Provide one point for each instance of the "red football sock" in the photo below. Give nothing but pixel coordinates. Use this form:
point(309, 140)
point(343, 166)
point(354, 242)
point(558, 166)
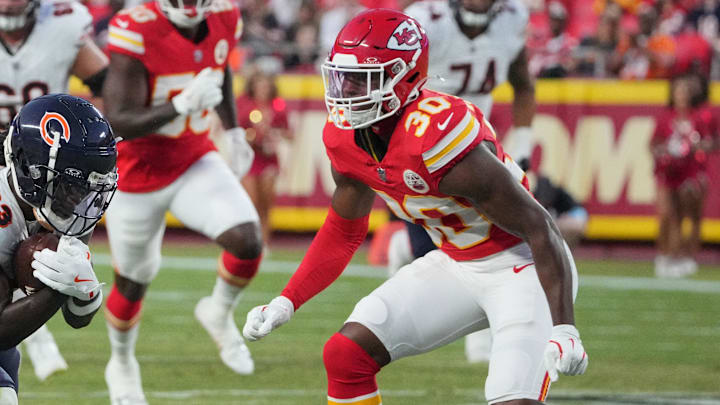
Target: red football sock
point(350, 372)
point(122, 313)
point(237, 272)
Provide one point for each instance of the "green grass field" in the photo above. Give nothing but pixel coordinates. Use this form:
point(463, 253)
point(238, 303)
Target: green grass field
point(649, 341)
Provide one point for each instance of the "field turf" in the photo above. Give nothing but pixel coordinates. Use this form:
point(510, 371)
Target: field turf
point(649, 341)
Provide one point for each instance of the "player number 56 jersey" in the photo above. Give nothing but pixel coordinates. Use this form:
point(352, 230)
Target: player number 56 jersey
point(434, 133)
point(171, 61)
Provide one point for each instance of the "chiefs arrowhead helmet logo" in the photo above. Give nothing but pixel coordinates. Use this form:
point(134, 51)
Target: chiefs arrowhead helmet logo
point(406, 37)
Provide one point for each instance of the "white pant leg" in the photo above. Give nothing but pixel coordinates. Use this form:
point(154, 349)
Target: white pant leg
point(435, 300)
point(210, 199)
point(135, 225)
point(424, 306)
point(521, 326)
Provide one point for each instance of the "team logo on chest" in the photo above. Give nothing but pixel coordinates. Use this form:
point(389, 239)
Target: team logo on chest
point(221, 51)
point(198, 56)
point(415, 182)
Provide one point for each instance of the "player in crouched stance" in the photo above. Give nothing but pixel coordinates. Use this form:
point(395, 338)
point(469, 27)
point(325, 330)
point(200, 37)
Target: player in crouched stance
point(60, 177)
point(168, 69)
point(433, 158)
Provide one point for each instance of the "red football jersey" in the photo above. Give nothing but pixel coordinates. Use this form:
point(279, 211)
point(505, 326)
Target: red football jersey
point(434, 132)
point(171, 60)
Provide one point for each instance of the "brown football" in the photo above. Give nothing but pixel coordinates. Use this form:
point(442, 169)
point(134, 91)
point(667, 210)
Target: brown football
point(24, 257)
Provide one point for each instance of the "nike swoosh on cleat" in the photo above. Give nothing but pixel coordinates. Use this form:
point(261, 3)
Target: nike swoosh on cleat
point(445, 124)
point(518, 269)
point(80, 280)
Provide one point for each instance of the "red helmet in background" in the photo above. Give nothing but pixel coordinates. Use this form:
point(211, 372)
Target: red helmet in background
point(377, 66)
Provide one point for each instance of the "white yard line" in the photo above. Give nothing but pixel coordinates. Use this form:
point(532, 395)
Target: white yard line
point(359, 270)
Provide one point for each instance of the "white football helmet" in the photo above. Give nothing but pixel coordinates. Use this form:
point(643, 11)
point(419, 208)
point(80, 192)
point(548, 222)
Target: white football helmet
point(16, 14)
point(184, 13)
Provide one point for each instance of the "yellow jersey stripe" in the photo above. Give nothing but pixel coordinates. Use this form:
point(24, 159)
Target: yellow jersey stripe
point(448, 137)
point(129, 40)
point(453, 144)
point(126, 39)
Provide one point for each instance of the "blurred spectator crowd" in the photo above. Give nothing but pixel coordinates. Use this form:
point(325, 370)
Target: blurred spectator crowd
point(627, 39)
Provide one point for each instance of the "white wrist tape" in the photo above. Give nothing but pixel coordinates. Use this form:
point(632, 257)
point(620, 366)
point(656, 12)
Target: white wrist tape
point(82, 310)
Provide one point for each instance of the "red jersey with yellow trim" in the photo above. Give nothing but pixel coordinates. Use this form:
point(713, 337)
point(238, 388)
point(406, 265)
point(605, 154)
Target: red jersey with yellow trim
point(434, 132)
point(171, 60)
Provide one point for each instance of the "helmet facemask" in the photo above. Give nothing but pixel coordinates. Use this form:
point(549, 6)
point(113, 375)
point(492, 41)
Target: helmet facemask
point(74, 205)
point(9, 23)
point(358, 95)
point(186, 13)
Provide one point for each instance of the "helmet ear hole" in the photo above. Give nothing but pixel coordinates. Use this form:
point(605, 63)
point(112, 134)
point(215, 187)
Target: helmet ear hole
point(413, 77)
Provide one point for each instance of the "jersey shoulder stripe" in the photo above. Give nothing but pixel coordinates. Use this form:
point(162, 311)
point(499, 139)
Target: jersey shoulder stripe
point(238, 29)
point(452, 143)
point(125, 39)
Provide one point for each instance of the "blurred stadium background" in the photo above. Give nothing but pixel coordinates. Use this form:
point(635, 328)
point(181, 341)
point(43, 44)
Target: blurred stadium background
point(603, 83)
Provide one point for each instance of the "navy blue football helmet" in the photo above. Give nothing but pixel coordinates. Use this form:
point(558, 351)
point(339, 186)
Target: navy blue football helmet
point(62, 153)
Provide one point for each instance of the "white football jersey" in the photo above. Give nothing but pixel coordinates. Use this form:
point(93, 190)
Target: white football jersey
point(13, 227)
point(42, 64)
point(470, 68)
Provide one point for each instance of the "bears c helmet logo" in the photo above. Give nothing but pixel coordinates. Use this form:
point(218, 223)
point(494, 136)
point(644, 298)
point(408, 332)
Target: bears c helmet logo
point(51, 124)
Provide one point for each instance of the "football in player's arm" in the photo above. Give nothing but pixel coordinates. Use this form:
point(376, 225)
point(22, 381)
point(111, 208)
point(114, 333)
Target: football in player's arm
point(434, 158)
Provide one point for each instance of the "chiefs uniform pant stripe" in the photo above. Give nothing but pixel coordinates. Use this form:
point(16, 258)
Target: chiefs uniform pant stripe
point(545, 388)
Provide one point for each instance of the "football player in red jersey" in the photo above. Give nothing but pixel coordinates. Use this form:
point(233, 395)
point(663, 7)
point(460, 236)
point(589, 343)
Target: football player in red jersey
point(168, 69)
point(435, 160)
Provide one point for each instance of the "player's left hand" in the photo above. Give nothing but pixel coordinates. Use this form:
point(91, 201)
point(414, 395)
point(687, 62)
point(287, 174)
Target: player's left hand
point(242, 154)
point(565, 353)
point(67, 270)
point(263, 319)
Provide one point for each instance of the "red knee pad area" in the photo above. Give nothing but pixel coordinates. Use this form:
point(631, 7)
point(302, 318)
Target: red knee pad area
point(350, 370)
point(236, 271)
point(120, 311)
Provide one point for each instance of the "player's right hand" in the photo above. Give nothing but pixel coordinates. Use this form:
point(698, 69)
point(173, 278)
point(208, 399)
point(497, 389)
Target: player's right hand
point(202, 93)
point(263, 319)
point(67, 270)
point(565, 353)
point(242, 155)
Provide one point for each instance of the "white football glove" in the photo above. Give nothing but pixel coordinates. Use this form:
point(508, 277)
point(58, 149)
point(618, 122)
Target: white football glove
point(565, 353)
point(264, 319)
point(68, 270)
point(241, 153)
point(201, 93)
point(521, 148)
